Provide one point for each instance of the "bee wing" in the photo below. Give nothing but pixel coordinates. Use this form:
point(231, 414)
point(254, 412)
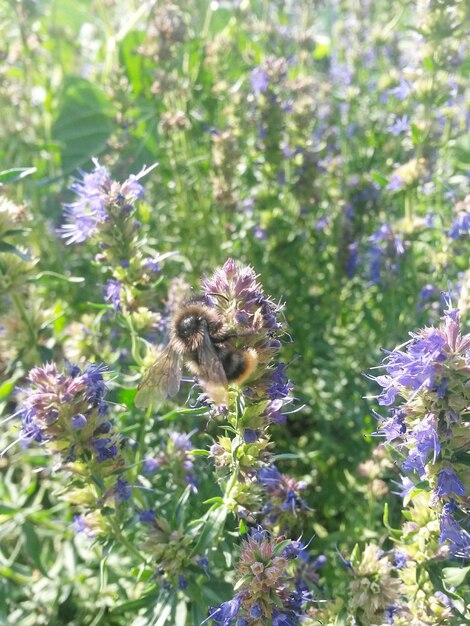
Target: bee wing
point(161, 380)
point(210, 366)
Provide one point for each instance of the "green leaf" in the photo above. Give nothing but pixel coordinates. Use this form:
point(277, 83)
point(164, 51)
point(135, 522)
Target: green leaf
point(67, 279)
point(281, 546)
point(241, 581)
point(417, 134)
point(7, 510)
point(133, 605)
point(341, 618)
point(136, 66)
point(217, 499)
point(83, 124)
point(379, 178)
point(455, 576)
point(199, 452)
point(462, 457)
point(8, 247)
point(464, 68)
point(462, 151)
point(14, 174)
point(33, 546)
point(214, 522)
point(7, 387)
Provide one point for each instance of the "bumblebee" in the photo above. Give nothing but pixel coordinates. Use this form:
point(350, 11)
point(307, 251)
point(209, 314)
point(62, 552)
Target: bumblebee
point(199, 339)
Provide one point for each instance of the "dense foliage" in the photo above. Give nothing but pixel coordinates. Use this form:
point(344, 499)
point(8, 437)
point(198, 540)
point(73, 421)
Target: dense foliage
point(302, 167)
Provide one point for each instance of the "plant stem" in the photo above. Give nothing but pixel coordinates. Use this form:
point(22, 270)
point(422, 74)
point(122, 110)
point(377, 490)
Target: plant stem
point(120, 537)
point(24, 316)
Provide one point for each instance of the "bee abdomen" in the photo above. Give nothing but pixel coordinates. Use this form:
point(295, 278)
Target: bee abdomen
point(239, 365)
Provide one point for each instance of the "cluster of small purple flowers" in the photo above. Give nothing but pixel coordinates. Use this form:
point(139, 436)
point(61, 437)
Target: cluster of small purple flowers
point(66, 411)
point(283, 498)
point(266, 593)
point(431, 374)
point(254, 319)
point(105, 211)
point(100, 202)
point(257, 325)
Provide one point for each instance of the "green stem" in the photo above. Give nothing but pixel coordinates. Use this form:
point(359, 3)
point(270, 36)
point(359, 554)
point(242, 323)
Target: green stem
point(140, 448)
point(134, 337)
point(24, 316)
point(122, 540)
point(230, 485)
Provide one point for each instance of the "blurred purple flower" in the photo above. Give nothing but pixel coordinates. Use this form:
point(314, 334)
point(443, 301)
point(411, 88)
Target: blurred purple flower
point(395, 183)
point(113, 290)
point(259, 81)
point(402, 90)
point(400, 125)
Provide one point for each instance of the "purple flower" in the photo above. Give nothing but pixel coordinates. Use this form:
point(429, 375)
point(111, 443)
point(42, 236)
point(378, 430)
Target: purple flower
point(113, 293)
point(284, 619)
point(406, 487)
point(460, 226)
point(402, 91)
point(426, 292)
point(280, 386)
point(226, 612)
point(79, 421)
point(182, 440)
point(400, 125)
point(250, 435)
point(449, 483)
point(122, 490)
point(293, 550)
point(352, 262)
point(152, 265)
point(256, 611)
point(426, 439)
point(451, 531)
point(400, 558)
point(340, 74)
point(147, 516)
point(104, 449)
point(394, 427)
point(97, 195)
point(269, 476)
point(395, 183)
point(150, 465)
point(322, 223)
point(78, 524)
point(95, 386)
point(259, 81)
point(390, 613)
point(415, 463)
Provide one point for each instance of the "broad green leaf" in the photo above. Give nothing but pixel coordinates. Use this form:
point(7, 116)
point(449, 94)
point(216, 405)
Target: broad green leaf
point(83, 124)
point(136, 66)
